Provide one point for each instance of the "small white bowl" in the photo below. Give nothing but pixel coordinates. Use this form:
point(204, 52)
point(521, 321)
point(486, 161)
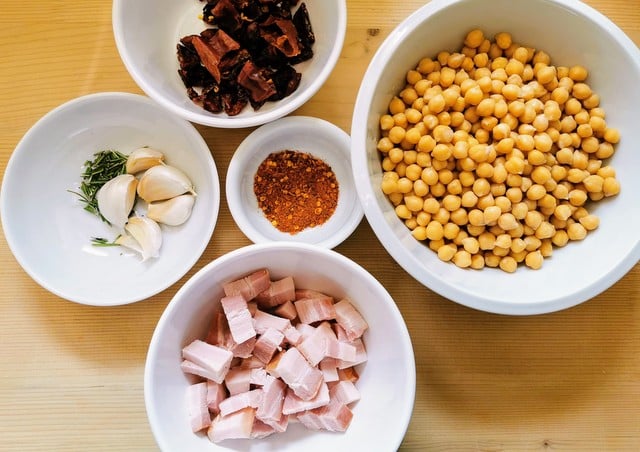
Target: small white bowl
point(47, 228)
point(387, 380)
point(572, 33)
point(314, 136)
point(147, 32)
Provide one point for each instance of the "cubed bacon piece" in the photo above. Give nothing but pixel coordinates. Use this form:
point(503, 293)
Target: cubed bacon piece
point(345, 392)
point(294, 404)
point(361, 355)
point(279, 292)
point(335, 417)
point(272, 366)
point(299, 375)
point(251, 363)
point(312, 310)
point(249, 286)
point(216, 393)
point(261, 430)
point(292, 335)
point(212, 358)
point(301, 294)
point(190, 368)
point(244, 350)
point(252, 306)
point(199, 416)
point(305, 330)
point(286, 310)
point(238, 380)
point(259, 377)
point(237, 402)
point(343, 351)
point(239, 318)
point(219, 333)
point(329, 368)
point(237, 425)
point(350, 319)
point(348, 374)
point(270, 411)
point(315, 346)
point(263, 321)
point(267, 344)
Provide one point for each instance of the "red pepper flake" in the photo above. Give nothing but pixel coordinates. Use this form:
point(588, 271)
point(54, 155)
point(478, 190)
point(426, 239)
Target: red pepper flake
point(295, 190)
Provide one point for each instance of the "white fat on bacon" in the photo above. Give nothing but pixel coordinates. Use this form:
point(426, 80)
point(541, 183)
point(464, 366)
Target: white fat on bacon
point(274, 355)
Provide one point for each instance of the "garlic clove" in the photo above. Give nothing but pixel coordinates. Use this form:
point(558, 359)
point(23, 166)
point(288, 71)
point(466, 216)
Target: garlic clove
point(147, 233)
point(163, 182)
point(127, 241)
point(142, 159)
point(116, 198)
point(172, 212)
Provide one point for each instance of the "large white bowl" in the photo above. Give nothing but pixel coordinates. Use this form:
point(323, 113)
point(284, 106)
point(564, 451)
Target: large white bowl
point(572, 33)
point(147, 32)
point(46, 226)
point(387, 379)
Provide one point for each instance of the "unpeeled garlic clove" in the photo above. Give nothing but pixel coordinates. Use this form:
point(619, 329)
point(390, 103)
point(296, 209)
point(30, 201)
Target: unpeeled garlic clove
point(147, 233)
point(116, 198)
point(142, 159)
point(172, 212)
point(163, 182)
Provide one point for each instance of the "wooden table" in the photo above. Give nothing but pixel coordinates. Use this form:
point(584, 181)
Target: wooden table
point(71, 375)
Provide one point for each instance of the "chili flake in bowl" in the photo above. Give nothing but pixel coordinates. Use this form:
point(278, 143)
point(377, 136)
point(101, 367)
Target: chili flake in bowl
point(291, 180)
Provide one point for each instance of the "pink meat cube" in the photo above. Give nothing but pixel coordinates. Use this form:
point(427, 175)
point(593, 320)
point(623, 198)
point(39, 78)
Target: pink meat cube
point(286, 310)
point(237, 425)
point(312, 310)
point(294, 404)
point(350, 319)
point(278, 292)
point(263, 320)
point(299, 375)
point(261, 430)
point(216, 393)
point(219, 333)
point(343, 351)
point(249, 286)
point(335, 417)
point(270, 411)
point(237, 402)
point(329, 368)
point(244, 350)
point(267, 344)
point(292, 335)
point(309, 293)
point(213, 359)
point(190, 368)
point(199, 416)
point(259, 377)
point(314, 347)
point(251, 363)
point(305, 330)
point(348, 374)
point(345, 392)
point(238, 317)
point(238, 380)
point(361, 355)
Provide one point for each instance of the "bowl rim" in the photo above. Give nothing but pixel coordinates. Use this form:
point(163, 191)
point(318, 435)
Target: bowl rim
point(174, 304)
point(205, 118)
point(383, 230)
point(20, 148)
point(241, 158)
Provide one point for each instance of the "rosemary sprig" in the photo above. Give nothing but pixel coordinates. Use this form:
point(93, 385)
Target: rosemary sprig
point(105, 166)
point(99, 241)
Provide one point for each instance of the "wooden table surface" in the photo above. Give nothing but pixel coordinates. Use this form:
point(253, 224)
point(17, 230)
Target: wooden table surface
point(71, 375)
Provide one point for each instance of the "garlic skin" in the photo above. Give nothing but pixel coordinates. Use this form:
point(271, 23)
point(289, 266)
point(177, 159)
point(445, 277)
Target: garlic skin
point(147, 233)
point(142, 159)
point(116, 198)
point(172, 212)
point(163, 182)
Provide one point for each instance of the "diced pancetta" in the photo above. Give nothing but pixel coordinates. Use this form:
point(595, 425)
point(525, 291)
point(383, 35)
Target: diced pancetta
point(348, 374)
point(263, 320)
point(299, 375)
point(193, 369)
point(292, 335)
point(244, 350)
point(238, 380)
point(279, 292)
point(219, 333)
point(350, 319)
point(345, 392)
point(251, 363)
point(237, 402)
point(309, 293)
point(270, 410)
point(361, 355)
point(249, 286)
point(343, 351)
point(199, 416)
point(286, 310)
point(261, 430)
point(237, 425)
point(294, 404)
point(213, 359)
point(259, 377)
point(267, 344)
point(305, 330)
point(238, 317)
point(335, 417)
point(272, 366)
point(311, 310)
point(329, 368)
point(216, 393)
point(315, 346)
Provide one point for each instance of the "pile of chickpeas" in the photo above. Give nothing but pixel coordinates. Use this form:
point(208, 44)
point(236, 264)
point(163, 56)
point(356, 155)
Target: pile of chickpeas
point(491, 154)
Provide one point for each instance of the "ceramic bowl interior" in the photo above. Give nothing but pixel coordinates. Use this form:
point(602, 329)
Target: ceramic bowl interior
point(314, 136)
point(46, 226)
point(147, 32)
point(571, 33)
point(387, 379)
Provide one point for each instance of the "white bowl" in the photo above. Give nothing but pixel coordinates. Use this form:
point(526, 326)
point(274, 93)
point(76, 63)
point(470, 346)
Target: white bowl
point(572, 33)
point(147, 32)
point(315, 136)
point(387, 379)
point(47, 228)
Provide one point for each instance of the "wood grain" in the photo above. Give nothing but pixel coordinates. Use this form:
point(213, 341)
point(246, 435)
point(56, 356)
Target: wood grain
point(71, 375)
